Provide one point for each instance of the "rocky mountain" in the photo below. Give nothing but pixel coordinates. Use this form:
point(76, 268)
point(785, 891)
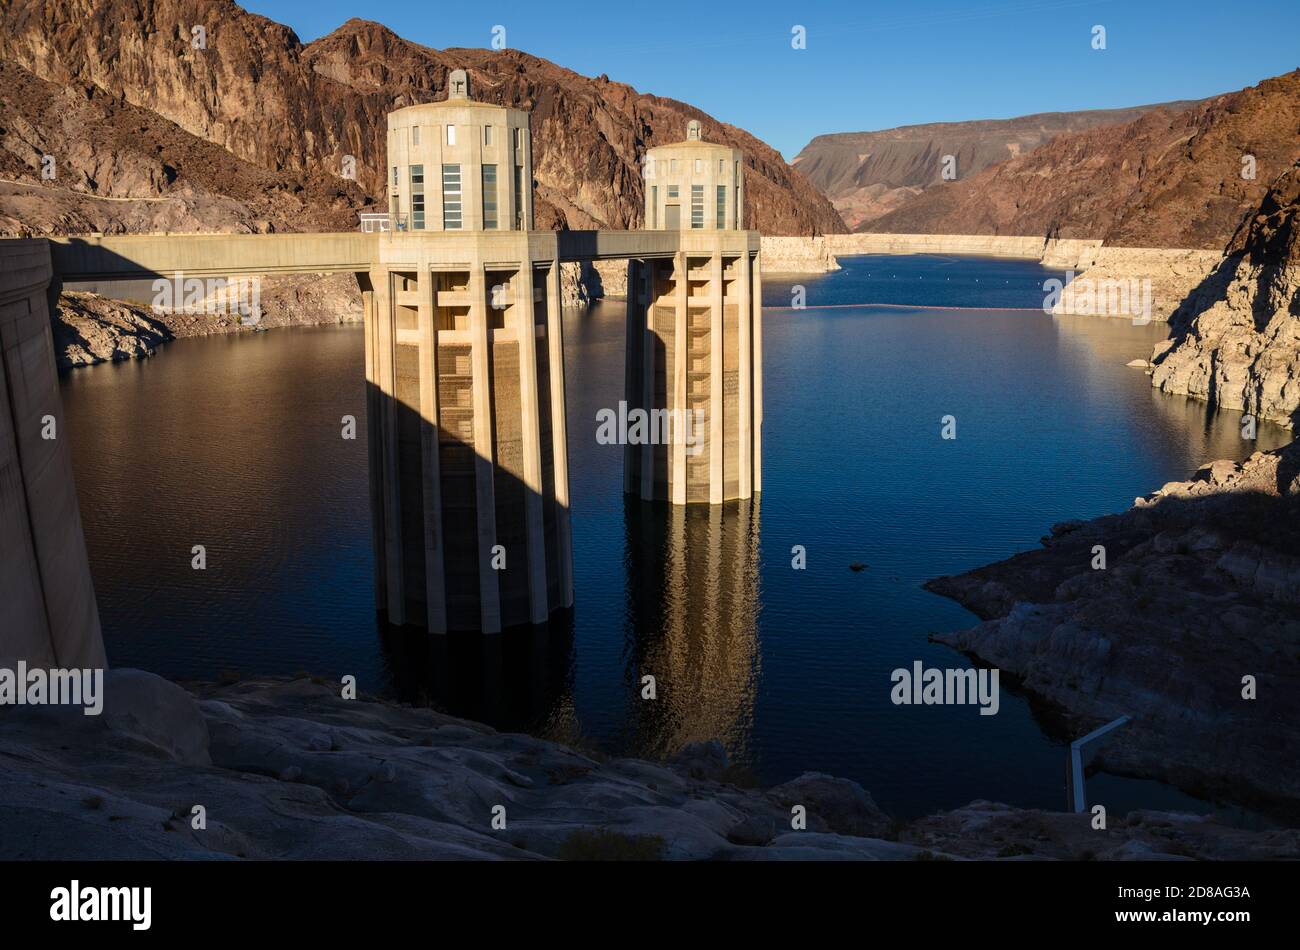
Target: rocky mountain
point(294, 110)
point(119, 168)
point(1236, 338)
point(868, 174)
point(1170, 178)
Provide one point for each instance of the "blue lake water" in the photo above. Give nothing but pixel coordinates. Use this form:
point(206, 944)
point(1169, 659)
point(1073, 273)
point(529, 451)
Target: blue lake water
point(233, 442)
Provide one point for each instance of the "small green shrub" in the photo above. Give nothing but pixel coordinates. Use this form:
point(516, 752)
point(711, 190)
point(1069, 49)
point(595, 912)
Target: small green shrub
point(606, 845)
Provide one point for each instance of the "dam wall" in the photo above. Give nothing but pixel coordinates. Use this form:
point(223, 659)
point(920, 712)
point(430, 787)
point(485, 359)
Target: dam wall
point(48, 615)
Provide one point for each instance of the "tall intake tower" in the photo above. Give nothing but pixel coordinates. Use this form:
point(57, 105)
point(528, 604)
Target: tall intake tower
point(695, 333)
point(465, 377)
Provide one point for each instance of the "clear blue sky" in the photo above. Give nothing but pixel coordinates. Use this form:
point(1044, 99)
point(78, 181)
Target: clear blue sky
point(867, 65)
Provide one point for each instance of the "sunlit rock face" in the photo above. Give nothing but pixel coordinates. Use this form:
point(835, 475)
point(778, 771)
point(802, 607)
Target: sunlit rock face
point(253, 89)
point(1236, 338)
point(1168, 179)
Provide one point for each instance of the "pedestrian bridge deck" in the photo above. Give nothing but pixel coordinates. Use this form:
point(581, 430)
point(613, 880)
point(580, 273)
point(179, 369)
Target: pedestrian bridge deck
point(135, 256)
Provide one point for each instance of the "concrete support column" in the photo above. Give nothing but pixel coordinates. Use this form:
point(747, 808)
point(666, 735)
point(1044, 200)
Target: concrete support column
point(745, 395)
point(649, 342)
point(635, 330)
point(385, 421)
point(529, 402)
point(758, 373)
point(677, 399)
point(374, 437)
point(435, 578)
point(716, 323)
point(484, 460)
point(559, 431)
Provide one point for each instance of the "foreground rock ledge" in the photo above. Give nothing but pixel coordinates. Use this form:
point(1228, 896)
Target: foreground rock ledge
point(1201, 588)
point(287, 769)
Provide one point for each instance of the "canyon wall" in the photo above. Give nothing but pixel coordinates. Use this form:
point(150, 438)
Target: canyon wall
point(1236, 339)
point(293, 112)
point(817, 255)
point(1173, 178)
point(1151, 282)
point(796, 255)
point(869, 174)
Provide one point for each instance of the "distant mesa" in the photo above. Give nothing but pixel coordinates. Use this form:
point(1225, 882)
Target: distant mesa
point(1177, 175)
point(869, 174)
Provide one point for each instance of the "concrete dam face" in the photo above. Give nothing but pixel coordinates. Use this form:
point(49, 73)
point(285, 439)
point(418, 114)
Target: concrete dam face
point(48, 615)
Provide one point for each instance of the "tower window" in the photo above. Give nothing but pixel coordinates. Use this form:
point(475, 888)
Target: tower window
point(451, 214)
point(417, 197)
point(489, 197)
point(415, 135)
point(672, 191)
point(722, 207)
point(672, 166)
point(654, 207)
point(451, 135)
point(699, 165)
point(697, 206)
point(519, 198)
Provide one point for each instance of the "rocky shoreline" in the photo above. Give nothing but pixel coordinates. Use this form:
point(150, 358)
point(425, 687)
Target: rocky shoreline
point(91, 328)
point(288, 769)
point(1191, 627)
point(1236, 338)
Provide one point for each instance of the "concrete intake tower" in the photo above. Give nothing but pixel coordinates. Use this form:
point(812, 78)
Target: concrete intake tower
point(465, 372)
point(695, 332)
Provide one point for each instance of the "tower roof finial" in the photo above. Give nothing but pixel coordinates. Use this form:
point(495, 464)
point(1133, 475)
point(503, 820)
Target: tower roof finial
point(457, 84)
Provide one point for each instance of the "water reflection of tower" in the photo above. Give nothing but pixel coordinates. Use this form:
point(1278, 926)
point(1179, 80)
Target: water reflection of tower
point(692, 595)
point(521, 681)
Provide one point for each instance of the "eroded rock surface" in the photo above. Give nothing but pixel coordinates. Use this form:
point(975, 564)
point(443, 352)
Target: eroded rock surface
point(1201, 587)
point(1236, 339)
point(259, 101)
point(90, 328)
point(288, 769)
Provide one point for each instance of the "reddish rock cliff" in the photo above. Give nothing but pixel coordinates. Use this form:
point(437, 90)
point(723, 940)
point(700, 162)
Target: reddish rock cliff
point(868, 174)
point(1167, 179)
point(297, 109)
